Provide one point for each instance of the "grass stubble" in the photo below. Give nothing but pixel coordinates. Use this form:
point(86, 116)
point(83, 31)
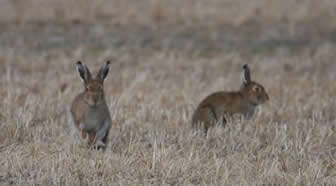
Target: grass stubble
point(152, 92)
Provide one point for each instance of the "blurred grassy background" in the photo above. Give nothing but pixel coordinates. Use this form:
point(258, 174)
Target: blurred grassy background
point(196, 24)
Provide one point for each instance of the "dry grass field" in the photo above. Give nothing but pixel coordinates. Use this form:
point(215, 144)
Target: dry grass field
point(166, 56)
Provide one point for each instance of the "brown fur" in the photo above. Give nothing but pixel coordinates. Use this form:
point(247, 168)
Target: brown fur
point(79, 111)
point(220, 106)
point(89, 112)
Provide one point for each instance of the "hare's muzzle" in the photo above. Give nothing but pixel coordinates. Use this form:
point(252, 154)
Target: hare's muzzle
point(266, 97)
point(93, 99)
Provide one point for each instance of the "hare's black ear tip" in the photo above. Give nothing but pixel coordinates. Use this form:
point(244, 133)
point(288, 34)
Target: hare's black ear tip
point(78, 63)
point(245, 66)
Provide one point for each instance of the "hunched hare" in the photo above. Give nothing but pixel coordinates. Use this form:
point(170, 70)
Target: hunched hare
point(89, 116)
point(218, 107)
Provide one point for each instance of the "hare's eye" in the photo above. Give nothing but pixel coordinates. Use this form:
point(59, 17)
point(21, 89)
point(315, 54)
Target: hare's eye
point(257, 89)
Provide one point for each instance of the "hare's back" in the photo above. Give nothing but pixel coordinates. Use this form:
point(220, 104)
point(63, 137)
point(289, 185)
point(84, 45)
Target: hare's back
point(221, 99)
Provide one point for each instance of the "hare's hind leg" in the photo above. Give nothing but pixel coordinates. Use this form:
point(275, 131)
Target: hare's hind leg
point(71, 124)
point(208, 118)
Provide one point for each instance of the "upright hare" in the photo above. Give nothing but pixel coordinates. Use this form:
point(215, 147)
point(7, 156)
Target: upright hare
point(89, 116)
point(219, 106)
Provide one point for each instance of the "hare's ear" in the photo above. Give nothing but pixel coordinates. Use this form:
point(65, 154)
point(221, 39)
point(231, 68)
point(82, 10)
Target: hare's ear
point(84, 72)
point(246, 75)
point(103, 71)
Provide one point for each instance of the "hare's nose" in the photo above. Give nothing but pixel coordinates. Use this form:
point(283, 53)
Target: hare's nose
point(96, 100)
